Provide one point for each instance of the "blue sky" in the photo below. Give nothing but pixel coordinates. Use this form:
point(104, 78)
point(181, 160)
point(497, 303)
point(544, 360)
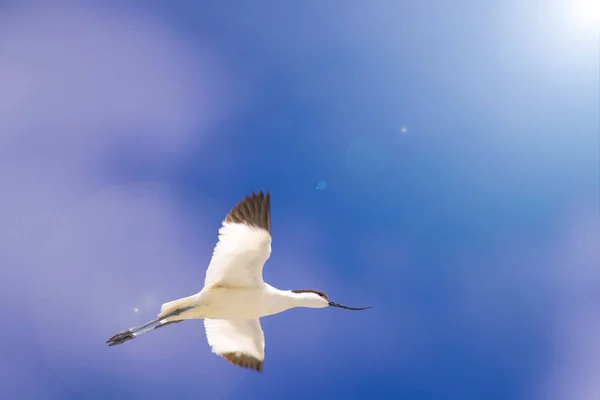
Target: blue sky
point(460, 147)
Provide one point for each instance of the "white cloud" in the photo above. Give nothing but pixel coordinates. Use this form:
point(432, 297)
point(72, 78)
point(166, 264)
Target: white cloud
point(80, 88)
point(575, 359)
point(83, 87)
point(79, 82)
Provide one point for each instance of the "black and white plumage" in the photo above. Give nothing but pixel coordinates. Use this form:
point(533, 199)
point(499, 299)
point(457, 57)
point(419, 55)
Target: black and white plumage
point(234, 296)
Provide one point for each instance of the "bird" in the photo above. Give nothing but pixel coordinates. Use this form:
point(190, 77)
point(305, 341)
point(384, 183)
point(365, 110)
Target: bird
point(235, 296)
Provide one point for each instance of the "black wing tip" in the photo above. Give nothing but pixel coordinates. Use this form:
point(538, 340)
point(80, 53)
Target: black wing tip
point(262, 195)
point(254, 210)
point(244, 361)
point(256, 196)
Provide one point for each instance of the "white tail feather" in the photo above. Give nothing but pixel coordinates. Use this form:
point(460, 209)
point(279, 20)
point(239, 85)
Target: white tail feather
point(171, 306)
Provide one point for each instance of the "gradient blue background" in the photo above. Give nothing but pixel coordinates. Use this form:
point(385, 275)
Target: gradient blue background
point(128, 130)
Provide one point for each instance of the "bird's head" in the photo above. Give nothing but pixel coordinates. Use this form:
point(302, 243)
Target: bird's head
point(317, 299)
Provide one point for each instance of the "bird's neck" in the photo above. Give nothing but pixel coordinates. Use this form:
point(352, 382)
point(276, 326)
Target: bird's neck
point(298, 299)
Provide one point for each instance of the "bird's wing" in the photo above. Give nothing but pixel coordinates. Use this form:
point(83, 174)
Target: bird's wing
point(244, 245)
point(239, 341)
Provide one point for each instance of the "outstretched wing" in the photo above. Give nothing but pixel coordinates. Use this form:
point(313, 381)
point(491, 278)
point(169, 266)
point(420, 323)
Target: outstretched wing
point(244, 244)
point(239, 341)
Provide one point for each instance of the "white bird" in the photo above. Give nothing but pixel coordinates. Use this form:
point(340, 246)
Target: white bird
point(235, 297)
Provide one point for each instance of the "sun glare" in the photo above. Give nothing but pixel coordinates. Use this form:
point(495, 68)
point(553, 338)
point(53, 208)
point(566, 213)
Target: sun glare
point(586, 14)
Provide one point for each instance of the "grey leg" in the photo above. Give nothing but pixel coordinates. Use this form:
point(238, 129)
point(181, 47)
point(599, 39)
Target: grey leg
point(132, 333)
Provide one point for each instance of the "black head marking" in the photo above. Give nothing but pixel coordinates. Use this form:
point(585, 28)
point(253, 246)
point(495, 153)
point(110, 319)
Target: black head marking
point(319, 292)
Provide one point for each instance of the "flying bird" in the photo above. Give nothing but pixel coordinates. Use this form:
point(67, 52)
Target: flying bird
point(235, 297)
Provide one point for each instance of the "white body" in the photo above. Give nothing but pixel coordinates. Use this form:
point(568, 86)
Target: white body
point(243, 303)
point(235, 296)
point(234, 287)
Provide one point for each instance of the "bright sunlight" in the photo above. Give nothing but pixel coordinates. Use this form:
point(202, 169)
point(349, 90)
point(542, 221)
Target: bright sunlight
point(585, 14)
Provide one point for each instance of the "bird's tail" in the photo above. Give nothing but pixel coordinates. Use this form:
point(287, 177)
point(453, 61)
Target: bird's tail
point(171, 307)
point(170, 313)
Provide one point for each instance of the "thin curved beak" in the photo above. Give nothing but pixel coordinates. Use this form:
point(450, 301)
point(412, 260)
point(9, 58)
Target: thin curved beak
point(331, 303)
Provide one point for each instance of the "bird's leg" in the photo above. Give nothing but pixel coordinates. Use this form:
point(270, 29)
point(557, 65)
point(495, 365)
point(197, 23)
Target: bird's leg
point(132, 333)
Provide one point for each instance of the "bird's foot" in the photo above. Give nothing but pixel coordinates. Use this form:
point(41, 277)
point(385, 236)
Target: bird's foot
point(121, 338)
